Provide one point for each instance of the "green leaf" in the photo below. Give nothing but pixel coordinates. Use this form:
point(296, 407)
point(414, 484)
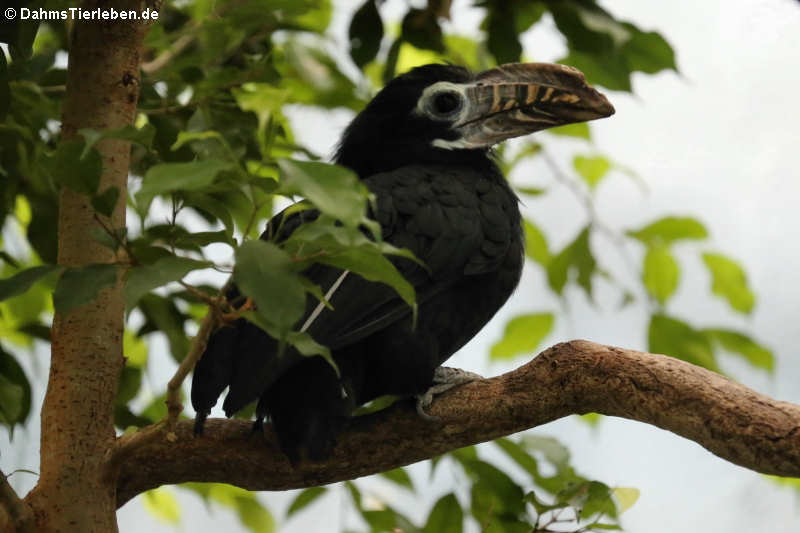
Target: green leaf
point(140, 280)
point(134, 349)
point(739, 343)
point(105, 202)
point(591, 168)
point(315, 79)
point(392, 59)
point(366, 32)
point(536, 243)
point(355, 494)
point(597, 500)
point(609, 70)
point(661, 273)
point(373, 266)
point(445, 517)
point(305, 498)
point(266, 273)
point(667, 230)
point(542, 507)
point(670, 336)
point(400, 477)
point(334, 190)
point(495, 496)
point(729, 281)
point(577, 259)
point(22, 281)
point(578, 129)
point(170, 177)
point(143, 136)
point(421, 29)
point(5, 91)
point(254, 515)
point(129, 383)
point(317, 18)
point(207, 205)
point(68, 167)
point(262, 99)
point(626, 497)
point(11, 397)
point(502, 41)
point(79, 286)
point(380, 521)
point(162, 314)
point(531, 191)
point(648, 52)
point(592, 419)
point(203, 238)
point(519, 455)
point(161, 503)
point(156, 409)
point(187, 137)
point(306, 345)
point(15, 391)
point(523, 335)
point(555, 452)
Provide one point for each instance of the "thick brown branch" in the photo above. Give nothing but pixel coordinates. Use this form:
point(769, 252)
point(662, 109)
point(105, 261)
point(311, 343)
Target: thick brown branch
point(15, 515)
point(730, 420)
point(72, 493)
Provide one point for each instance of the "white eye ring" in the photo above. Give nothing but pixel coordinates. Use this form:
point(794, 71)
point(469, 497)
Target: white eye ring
point(443, 101)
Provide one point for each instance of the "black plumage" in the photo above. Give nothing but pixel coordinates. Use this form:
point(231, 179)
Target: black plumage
point(421, 146)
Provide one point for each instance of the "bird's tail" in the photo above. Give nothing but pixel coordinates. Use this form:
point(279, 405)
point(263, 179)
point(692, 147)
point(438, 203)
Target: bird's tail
point(213, 372)
point(243, 358)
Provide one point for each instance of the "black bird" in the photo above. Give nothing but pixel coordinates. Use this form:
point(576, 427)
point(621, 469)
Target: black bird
point(422, 147)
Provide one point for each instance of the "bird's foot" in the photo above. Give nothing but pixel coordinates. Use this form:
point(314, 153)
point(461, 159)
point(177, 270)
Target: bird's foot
point(444, 378)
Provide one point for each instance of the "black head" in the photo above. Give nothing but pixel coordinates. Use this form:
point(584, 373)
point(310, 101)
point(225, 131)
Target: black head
point(446, 114)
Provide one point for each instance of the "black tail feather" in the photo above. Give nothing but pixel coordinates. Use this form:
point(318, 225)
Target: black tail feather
point(213, 373)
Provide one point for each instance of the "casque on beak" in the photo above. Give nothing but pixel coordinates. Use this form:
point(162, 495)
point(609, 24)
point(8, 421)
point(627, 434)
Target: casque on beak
point(520, 98)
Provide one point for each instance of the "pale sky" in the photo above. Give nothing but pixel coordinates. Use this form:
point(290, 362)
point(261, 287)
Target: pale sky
point(719, 142)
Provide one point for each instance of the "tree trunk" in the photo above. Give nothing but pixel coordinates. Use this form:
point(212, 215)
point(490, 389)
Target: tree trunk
point(75, 491)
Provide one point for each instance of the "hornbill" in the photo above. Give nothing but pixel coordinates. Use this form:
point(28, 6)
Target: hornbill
point(422, 147)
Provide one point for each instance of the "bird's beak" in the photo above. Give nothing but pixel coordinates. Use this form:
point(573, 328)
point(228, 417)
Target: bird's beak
point(519, 98)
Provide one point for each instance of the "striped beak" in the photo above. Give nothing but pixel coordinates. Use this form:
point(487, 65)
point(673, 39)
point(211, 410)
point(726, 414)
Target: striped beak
point(520, 98)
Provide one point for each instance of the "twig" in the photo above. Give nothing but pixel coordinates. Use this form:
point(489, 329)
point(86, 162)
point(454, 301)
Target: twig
point(48, 89)
point(594, 218)
point(121, 243)
point(214, 317)
point(19, 514)
point(173, 401)
point(210, 300)
point(166, 56)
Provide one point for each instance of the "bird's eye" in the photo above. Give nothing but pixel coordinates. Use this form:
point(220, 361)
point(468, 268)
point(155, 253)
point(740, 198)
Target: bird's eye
point(447, 102)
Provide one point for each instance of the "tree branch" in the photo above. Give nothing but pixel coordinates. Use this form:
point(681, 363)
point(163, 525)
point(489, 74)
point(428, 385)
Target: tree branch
point(15, 515)
point(730, 420)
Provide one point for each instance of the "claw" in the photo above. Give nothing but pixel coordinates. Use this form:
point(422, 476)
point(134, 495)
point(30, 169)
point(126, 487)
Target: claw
point(444, 378)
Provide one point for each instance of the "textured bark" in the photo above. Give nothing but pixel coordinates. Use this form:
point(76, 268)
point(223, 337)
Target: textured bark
point(15, 514)
point(732, 421)
point(74, 492)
